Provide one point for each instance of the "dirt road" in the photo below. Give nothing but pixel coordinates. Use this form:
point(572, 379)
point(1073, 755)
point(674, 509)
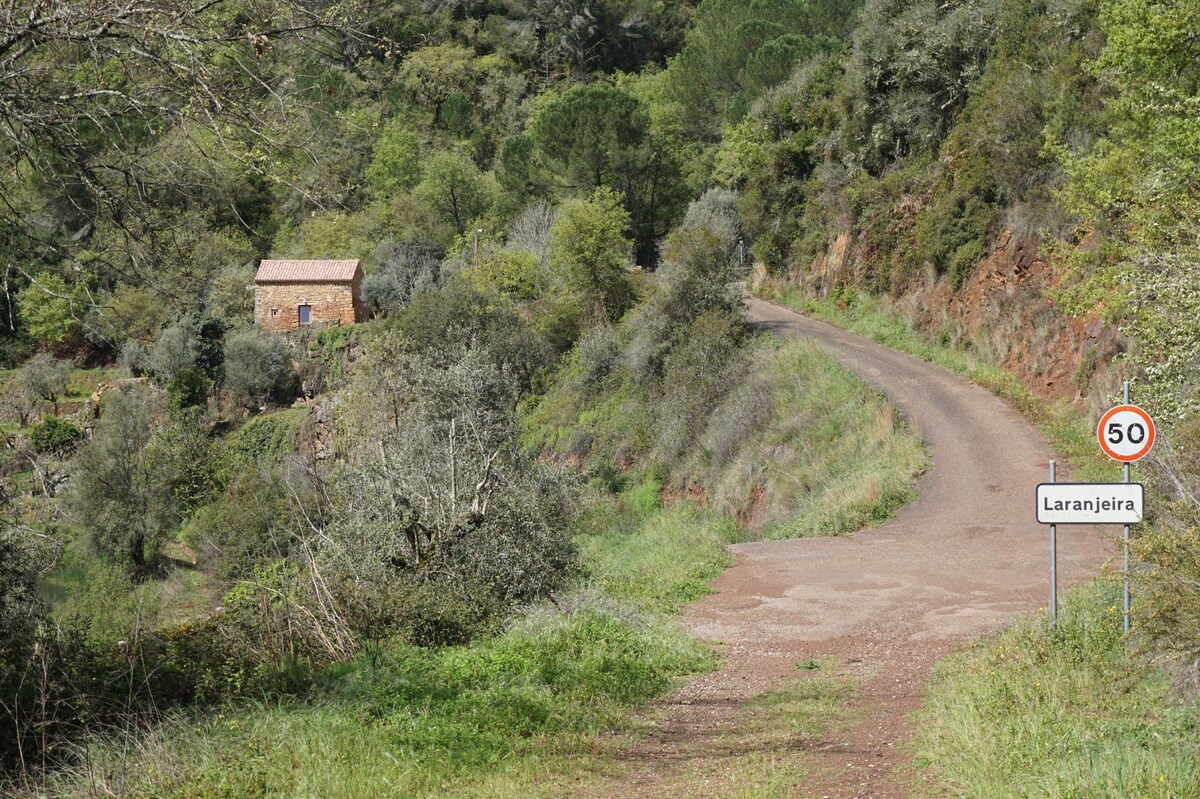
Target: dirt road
point(961, 559)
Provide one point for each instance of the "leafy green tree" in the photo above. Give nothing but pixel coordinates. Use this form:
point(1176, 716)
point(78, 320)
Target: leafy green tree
point(396, 160)
point(908, 75)
point(590, 249)
point(187, 389)
point(511, 273)
point(132, 313)
point(517, 169)
point(1137, 186)
point(230, 296)
point(49, 311)
point(455, 190)
point(54, 436)
point(440, 325)
point(173, 351)
point(736, 49)
point(435, 73)
point(590, 133)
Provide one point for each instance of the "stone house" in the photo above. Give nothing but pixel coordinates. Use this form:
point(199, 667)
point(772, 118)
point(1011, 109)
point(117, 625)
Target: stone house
point(293, 294)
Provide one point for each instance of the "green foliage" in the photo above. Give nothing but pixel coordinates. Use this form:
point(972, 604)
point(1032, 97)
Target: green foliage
point(109, 607)
point(1133, 186)
point(437, 72)
point(455, 190)
point(54, 436)
point(173, 351)
point(133, 314)
point(860, 467)
point(665, 560)
point(258, 370)
point(735, 50)
point(268, 439)
point(513, 274)
point(43, 378)
point(396, 161)
point(50, 311)
point(1067, 710)
point(702, 260)
point(589, 248)
point(330, 346)
point(589, 133)
point(242, 528)
point(230, 297)
point(954, 233)
point(706, 364)
point(517, 170)
point(116, 496)
point(908, 75)
point(441, 324)
point(453, 716)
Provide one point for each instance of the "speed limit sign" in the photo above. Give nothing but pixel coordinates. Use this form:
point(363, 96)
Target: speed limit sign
point(1126, 433)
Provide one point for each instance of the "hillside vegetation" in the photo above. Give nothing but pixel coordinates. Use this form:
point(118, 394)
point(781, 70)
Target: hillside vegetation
point(215, 542)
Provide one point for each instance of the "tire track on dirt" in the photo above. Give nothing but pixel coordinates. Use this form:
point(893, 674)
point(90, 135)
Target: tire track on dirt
point(960, 560)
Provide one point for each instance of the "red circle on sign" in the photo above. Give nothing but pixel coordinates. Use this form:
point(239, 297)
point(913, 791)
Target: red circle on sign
point(1119, 432)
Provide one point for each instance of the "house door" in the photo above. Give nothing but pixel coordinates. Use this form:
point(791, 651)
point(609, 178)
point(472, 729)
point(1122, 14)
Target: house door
point(305, 314)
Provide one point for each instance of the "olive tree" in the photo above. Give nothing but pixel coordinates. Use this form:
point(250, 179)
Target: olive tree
point(116, 496)
point(43, 379)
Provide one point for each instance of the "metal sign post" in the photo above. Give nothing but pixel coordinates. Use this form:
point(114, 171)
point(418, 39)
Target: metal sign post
point(1125, 536)
point(1054, 557)
point(1126, 433)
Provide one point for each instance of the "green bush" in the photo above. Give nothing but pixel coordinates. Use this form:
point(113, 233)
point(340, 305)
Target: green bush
point(54, 436)
point(708, 362)
point(188, 389)
point(258, 370)
point(266, 439)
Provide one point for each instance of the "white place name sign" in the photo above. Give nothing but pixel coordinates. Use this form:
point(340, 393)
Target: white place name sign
point(1090, 503)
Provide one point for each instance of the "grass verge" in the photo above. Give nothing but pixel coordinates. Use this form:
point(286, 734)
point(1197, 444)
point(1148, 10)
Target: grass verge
point(1061, 714)
point(505, 717)
point(663, 562)
point(835, 458)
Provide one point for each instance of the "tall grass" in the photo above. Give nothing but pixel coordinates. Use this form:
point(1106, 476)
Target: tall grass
point(665, 561)
point(835, 457)
point(1059, 714)
point(492, 719)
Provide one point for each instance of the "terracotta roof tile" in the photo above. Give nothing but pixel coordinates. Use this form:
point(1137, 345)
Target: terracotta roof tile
point(306, 271)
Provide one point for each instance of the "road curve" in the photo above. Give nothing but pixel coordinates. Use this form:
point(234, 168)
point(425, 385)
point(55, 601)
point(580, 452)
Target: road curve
point(961, 559)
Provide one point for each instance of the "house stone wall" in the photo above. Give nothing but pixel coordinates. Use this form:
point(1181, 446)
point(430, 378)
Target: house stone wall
point(332, 304)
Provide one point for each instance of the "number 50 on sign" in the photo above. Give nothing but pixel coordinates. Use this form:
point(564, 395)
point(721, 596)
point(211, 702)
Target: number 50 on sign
point(1126, 433)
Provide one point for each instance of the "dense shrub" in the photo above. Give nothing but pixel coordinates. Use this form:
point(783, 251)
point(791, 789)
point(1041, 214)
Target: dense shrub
point(442, 324)
point(406, 269)
point(258, 370)
point(266, 440)
point(54, 436)
point(707, 364)
point(43, 378)
point(599, 353)
point(187, 389)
